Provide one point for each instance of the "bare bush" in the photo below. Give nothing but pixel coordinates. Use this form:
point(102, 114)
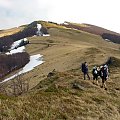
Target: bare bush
point(16, 87)
point(19, 86)
point(5, 43)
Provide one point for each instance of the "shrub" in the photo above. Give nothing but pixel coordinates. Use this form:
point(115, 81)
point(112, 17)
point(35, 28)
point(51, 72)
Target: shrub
point(12, 62)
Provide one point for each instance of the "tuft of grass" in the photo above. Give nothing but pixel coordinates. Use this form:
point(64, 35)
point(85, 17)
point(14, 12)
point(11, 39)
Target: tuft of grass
point(98, 100)
point(3, 97)
point(47, 82)
point(52, 88)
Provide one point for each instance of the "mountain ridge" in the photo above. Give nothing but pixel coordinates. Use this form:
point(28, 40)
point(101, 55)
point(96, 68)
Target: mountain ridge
point(104, 33)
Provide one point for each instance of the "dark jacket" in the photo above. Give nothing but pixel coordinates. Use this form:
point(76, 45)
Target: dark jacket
point(104, 72)
point(84, 68)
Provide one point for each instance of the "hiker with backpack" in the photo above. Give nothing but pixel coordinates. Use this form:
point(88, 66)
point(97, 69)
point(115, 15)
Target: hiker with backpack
point(104, 75)
point(95, 73)
point(84, 68)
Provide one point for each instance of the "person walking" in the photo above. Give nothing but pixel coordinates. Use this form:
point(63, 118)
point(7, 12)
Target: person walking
point(104, 76)
point(85, 70)
point(95, 73)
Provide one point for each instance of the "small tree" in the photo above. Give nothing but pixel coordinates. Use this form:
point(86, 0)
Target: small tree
point(16, 87)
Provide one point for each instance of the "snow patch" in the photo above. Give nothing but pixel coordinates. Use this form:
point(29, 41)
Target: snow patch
point(46, 34)
point(39, 32)
point(39, 26)
point(65, 23)
point(15, 44)
point(108, 40)
point(35, 60)
point(25, 39)
point(18, 50)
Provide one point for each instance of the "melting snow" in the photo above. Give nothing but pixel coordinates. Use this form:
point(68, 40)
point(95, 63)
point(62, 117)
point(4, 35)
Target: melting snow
point(39, 32)
point(39, 26)
point(46, 35)
point(35, 60)
point(15, 47)
point(65, 23)
point(18, 50)
point(108, 40)
point(25, 39)
point(15, 44)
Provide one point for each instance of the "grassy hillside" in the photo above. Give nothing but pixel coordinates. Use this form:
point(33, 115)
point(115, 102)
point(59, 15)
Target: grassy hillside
point(104, 33)
point(10, 31)
point(56, 97)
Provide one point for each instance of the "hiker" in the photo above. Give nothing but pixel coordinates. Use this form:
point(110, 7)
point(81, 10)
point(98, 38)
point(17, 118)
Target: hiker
point(85, 70)
point(104, 75)
point(95, 73)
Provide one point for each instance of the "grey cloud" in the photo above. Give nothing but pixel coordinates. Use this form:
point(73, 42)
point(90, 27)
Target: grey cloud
point(22, 12)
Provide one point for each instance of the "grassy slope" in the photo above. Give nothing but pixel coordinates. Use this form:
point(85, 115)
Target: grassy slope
point(54, 98)
point(91, 28)
point(10, 31)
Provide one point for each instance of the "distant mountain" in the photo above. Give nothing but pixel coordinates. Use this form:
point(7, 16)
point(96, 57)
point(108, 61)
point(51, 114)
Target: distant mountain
point(104, 33)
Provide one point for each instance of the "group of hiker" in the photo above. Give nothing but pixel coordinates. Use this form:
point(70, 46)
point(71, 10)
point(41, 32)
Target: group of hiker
point(97, 72)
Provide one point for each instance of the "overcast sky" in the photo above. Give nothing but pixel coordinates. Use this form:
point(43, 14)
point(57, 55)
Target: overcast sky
point(104, 13)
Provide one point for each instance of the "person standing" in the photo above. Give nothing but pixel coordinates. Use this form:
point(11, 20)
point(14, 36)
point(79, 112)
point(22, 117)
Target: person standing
point(85, 70)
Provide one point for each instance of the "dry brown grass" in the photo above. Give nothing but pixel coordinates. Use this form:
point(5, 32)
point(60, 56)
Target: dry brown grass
point(78, 24)
point(54, 98)
point(10, 31)
point(51, 25)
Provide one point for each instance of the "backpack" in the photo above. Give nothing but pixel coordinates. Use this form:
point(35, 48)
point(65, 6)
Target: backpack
point(94, 71)
point(104, 72)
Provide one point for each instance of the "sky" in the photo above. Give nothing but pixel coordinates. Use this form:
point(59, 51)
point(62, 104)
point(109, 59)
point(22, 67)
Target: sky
point(103, 13)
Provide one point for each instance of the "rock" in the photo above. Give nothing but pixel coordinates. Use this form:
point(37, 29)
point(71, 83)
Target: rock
point(50, 74)
point(78, 86)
